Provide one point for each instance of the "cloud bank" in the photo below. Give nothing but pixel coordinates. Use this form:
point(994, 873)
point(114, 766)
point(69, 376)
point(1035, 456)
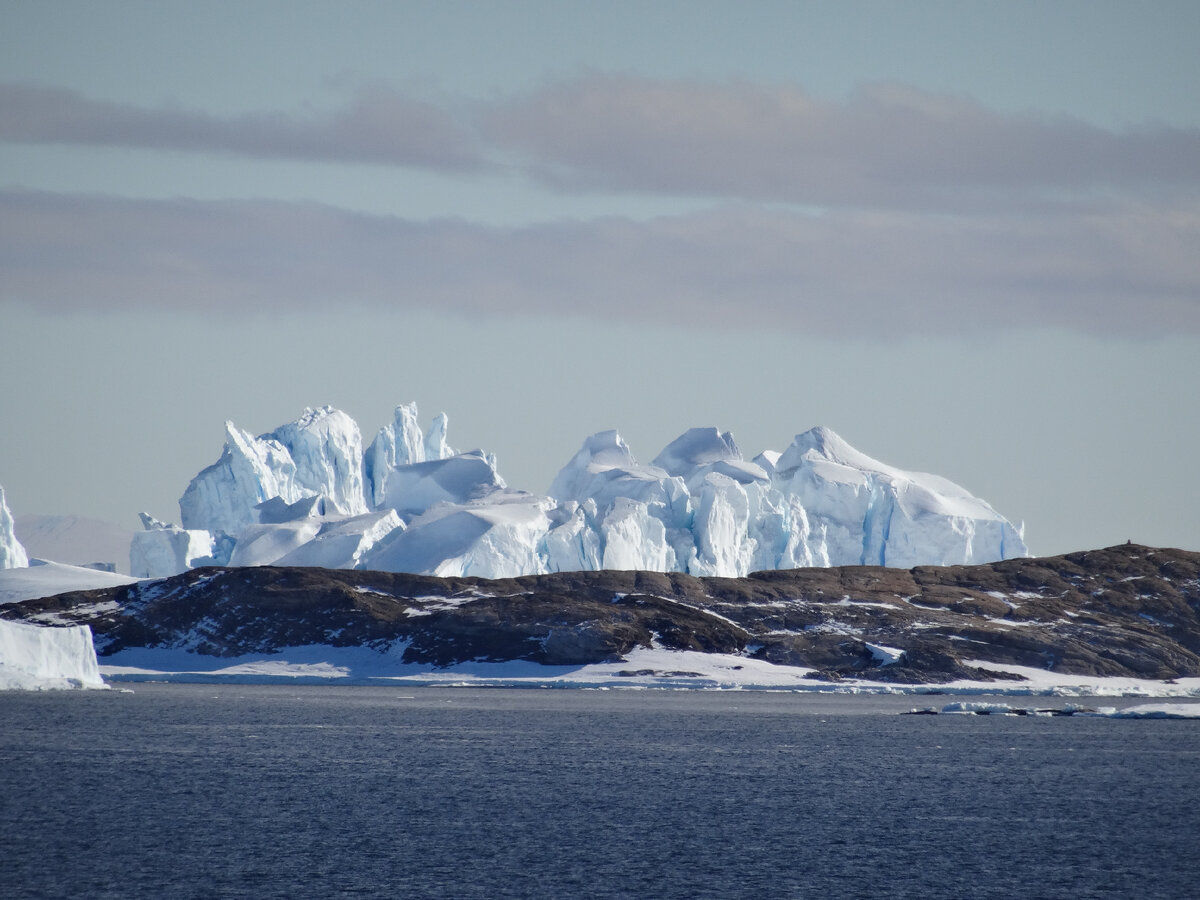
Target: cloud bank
point(887, 146)
point(377, 125)
point(893, 212)
point(850, 273)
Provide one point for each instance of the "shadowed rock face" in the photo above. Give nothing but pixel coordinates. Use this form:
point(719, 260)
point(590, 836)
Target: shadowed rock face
point(1124, 611)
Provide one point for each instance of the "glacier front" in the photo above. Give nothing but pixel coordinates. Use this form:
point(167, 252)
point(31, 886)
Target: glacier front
point(307, 493)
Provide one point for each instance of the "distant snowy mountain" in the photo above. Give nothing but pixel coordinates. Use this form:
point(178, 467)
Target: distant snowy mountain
point(76, 540)
point(309, 494)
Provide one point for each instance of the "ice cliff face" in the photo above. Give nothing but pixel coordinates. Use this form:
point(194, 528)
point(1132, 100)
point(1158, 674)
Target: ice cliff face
point(875, 514)
point(37, 657)
point(307, 494)
point(398, 445)
point(161, 549)
point(12, 554)
point(327, 449)
point(320, 454)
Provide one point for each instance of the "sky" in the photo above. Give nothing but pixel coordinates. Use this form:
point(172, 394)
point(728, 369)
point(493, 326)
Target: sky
point(963, 235)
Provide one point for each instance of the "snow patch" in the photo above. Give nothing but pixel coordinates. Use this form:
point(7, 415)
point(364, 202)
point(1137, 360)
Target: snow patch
point(885, 656)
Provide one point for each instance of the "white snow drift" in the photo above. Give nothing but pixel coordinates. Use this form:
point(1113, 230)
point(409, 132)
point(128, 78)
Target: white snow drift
point(307, 493)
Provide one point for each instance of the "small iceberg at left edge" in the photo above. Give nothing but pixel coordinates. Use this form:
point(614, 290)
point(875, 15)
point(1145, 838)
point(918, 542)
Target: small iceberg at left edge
point(42, 657)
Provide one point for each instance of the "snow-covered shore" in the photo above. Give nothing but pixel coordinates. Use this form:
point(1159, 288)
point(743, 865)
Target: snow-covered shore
point(641, 668)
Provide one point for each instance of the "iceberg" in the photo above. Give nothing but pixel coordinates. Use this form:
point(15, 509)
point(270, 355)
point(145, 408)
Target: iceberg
point(308, 494)
point(874, 514)
point(401, 444)
point(162, 550)
point(326, 448)
point(700, 452)
point(250, 470)
point(12, 554)
point(41, 657)
point(320, 454)
point(307, 534)
point(640, 514)
point(414, 488)
point(500, 537)
point(343, 542)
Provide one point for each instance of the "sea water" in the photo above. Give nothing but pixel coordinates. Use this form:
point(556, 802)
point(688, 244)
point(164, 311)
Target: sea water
point(203, 791)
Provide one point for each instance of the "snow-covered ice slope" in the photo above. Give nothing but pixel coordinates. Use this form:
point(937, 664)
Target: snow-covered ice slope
point(12, 554)
point(401, 444)
point(700, 507)
point(45, 579)
point(500, 537)
point(38, 657)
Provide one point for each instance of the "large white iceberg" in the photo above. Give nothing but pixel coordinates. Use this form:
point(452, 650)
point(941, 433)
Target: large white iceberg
point(39, 657)
point(12, 554)
point(307, 494)
point(874, 514)
point(326, 447)
point(320, 454)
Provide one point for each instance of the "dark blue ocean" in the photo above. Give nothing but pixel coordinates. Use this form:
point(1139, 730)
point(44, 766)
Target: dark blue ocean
point(202, 791)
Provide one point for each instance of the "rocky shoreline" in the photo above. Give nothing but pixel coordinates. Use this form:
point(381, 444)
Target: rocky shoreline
point(1125, 611)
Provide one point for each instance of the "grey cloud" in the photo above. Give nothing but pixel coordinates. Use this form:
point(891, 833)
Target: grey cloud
point(887, 146)
point(377, 125)
point(1131, 273)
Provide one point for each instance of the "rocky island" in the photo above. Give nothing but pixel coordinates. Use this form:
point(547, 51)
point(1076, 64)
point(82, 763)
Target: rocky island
point(1127, 611)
